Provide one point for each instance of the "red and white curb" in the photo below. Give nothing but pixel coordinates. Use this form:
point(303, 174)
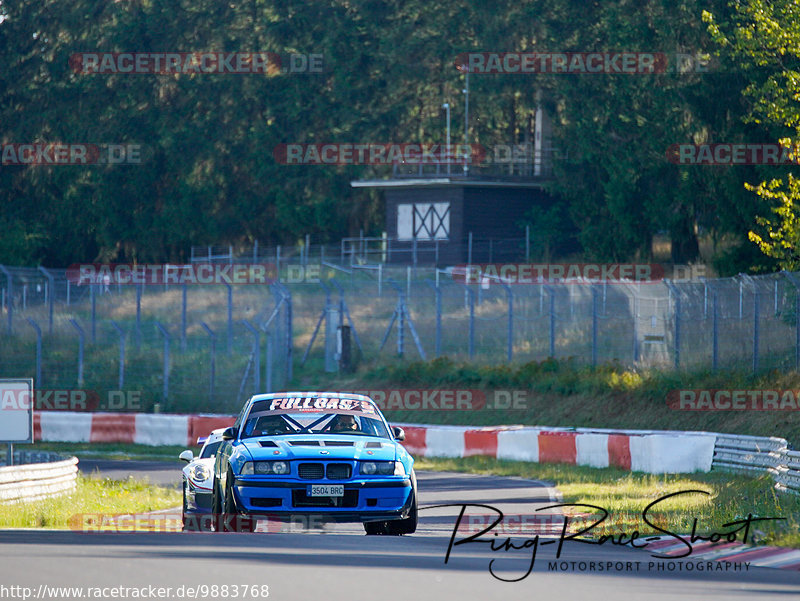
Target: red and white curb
point(762, 557)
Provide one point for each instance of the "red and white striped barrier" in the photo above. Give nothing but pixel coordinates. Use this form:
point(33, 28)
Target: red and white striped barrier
point(642, 451)
point(140, 428)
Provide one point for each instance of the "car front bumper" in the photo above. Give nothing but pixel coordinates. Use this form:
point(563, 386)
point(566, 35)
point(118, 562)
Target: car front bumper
point(364, 500)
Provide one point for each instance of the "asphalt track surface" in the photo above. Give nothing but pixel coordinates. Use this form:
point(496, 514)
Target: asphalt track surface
point(340, 563)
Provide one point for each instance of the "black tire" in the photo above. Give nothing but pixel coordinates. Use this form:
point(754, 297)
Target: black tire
point(216, 507)
point(232, 511)
point(184, 521)
point(375, 528)
point(407, 525)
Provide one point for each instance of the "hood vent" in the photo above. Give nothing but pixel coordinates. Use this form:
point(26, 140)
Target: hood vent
point(373, 445)
point(267, 443)
point(304, 443)
point(338, 443)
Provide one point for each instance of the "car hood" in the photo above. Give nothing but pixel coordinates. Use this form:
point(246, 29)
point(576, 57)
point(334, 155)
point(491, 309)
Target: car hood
point(321, 447)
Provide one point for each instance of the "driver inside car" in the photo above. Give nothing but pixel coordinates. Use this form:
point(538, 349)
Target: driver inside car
point(272, 425)
point(344, 424)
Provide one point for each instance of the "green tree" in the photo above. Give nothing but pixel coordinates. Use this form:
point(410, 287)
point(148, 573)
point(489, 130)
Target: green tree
point(764, 40)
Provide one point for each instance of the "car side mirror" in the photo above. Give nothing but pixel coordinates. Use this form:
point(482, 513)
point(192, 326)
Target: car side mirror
point(229, 434)
point(399, 434)
point(186, 456)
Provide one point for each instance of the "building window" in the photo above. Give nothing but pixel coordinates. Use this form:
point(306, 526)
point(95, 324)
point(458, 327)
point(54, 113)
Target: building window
point(425, 220)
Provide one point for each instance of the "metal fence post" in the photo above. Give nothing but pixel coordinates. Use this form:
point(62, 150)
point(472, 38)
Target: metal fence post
point(594, 326)
point(527, 243)
point(676, 294)
point(510, 350)
point(138, 315)
point(230, 318)
point(268, 367)
point(401, 314)
point(470, 296)
point(438, 299)
point(121, 379)
point(36, 327)
point(756, 315)
point(796, 283)
point(166, 335)
point(93, 295)
point(81, 337)
point(551, 293)
point(256, 354)
point(741, 300)
point(635, 328)
point(714, 331)
point(469, 250)
point(756, 330)
point(183, 316)
point(287, 297)
point(50, 297)
point(213, 358)
point(9, 299)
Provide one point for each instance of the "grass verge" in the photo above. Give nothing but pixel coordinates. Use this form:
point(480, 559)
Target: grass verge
point(626, 494)
point(92, 496)
point(116, 451)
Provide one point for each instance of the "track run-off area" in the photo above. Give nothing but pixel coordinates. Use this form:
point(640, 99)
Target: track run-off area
point(339, 561)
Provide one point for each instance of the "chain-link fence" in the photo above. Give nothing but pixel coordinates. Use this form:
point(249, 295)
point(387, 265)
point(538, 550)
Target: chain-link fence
point(206, 347)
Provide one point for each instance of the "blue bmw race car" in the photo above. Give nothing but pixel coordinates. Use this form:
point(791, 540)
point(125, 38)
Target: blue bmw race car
point(328, 455)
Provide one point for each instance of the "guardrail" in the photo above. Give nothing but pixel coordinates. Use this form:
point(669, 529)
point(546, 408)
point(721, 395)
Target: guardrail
point(755, 455)
point(40, 475)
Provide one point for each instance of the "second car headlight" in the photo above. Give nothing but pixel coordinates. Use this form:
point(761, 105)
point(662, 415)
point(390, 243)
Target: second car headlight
point(278, 468)
point(380, 468)
point(200, 473)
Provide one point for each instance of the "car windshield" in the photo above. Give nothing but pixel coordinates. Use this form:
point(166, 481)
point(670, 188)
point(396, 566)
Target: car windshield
point(270, 419)
point(210, 450)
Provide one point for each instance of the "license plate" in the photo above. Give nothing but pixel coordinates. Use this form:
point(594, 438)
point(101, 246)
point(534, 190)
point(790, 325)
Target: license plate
point(325, 490)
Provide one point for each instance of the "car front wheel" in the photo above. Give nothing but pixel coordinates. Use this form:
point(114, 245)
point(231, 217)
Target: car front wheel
point(407, 525)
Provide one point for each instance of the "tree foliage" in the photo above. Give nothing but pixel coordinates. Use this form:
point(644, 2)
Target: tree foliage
point(209, 177)
point(763, 38)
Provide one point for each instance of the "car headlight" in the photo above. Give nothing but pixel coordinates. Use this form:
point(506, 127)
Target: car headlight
point(200, 473)
point(247, 469)
point(379, 468)
point(278, 468)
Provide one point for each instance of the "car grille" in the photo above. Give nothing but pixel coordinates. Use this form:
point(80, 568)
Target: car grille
point(338, 471)
point(311, 471)
point(300, 498)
